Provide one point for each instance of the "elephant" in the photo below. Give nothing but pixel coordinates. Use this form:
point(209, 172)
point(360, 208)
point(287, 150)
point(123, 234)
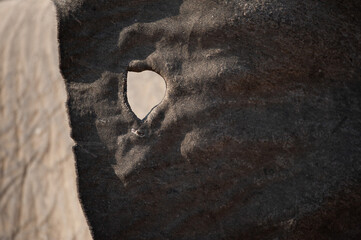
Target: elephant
point(38, 196)
point(257, 137)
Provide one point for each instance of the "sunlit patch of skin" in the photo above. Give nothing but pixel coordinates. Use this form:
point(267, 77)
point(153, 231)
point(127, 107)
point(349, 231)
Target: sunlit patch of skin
point(145, 90)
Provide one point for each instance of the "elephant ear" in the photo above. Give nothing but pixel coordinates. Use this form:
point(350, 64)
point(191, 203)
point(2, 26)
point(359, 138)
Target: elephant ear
point(82, 41)
point(64, 7)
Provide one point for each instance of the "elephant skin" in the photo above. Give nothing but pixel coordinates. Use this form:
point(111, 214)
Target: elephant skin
point(38, 196)
point(258, 136)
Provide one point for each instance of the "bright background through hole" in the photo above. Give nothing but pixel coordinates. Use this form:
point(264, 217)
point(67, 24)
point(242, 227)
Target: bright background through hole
point(144, 90)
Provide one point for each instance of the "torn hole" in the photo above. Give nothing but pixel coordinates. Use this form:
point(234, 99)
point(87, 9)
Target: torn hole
point(145, 90)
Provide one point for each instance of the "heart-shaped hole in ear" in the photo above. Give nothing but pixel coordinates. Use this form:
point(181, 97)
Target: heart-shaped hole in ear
point(145, 90)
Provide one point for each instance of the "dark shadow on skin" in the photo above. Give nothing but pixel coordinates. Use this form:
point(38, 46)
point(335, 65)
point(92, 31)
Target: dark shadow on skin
point(83, 65)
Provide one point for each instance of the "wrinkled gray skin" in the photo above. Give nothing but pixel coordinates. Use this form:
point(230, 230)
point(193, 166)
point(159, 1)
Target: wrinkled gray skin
point(258, 136)
point(38, 197)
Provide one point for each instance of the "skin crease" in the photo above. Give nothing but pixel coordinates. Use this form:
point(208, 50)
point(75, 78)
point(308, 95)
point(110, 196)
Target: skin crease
point(258, 127)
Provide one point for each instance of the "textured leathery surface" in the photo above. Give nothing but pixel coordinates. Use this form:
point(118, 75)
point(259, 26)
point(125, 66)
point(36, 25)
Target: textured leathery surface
point(259, 129)
point(38, 197)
